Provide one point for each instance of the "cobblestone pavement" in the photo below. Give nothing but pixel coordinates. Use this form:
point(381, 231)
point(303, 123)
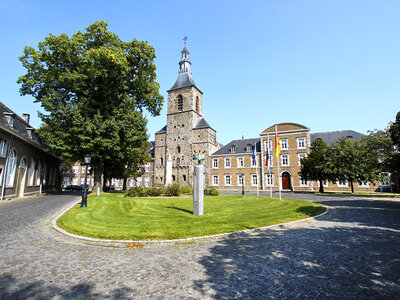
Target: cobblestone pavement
point(350, 253)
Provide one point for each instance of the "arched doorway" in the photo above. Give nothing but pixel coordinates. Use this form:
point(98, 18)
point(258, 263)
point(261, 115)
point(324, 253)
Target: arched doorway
point(22, 177)
point(286, 185)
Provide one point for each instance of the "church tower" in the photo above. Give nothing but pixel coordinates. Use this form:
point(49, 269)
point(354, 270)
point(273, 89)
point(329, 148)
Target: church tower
point(186, 131)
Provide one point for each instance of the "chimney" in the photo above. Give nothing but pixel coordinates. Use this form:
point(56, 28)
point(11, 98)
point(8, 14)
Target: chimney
point(243, 136)
point(26, 117)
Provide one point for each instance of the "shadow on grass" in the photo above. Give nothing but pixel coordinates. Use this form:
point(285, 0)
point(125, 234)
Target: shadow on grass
point(181, 209)
point(310, 210)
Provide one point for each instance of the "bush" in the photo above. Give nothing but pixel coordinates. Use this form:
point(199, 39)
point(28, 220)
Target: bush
point(211, 192)
point(154, 191)
point(187, 189)
point(137, 191)
point(172, 190)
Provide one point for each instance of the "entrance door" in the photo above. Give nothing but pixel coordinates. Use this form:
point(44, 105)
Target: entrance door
point(286, 181)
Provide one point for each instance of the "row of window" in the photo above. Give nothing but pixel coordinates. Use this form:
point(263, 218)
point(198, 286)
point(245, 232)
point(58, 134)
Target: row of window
point(300, 141)
point(38, 172)
point(269, 181)
point(179, 103)
point(240, 179)
point(254, 162)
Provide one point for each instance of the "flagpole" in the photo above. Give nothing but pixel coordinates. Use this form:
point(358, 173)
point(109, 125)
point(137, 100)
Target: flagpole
point(277, 152)
point(269, 168)
point(255, 147)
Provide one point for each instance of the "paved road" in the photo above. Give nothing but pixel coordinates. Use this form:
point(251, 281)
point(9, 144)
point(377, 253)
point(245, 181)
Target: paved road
point(351, 253)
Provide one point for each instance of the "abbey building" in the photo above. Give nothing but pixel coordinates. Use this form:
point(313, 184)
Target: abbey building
point(186, 131)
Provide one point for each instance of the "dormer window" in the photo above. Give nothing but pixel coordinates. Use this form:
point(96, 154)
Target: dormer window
point(233, 149)
point(29, 131)
point(249, 148)
point(9, 119)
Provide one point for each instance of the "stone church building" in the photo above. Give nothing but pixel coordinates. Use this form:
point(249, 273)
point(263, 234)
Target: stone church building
point(186, 131)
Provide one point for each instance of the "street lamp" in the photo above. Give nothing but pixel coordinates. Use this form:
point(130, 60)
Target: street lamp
point(86, 160)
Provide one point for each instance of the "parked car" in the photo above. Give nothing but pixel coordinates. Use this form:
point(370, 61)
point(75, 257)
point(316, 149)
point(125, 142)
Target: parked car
point(82, 186)
point(73, 187)
point(110, 188)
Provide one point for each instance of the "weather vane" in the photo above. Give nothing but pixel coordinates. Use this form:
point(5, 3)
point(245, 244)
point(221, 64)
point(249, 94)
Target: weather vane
point(185, 38)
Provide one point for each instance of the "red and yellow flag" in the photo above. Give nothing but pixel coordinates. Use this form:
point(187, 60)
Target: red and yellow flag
point(277, 143)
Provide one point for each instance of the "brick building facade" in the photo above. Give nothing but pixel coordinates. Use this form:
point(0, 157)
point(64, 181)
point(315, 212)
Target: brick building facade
point(25, 167)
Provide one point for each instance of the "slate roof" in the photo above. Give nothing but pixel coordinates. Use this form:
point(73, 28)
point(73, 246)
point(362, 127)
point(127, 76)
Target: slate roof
point(240, 147)
point(162, 130)
point(201, 123)
point(184, 80)
point(150, 149)
point(20, 129)
point(331, 137)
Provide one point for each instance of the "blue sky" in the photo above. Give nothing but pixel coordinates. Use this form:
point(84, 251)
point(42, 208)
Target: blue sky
point(329, 65)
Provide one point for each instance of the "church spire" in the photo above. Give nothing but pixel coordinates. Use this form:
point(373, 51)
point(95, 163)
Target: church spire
point(185, 71)
point(184, 64)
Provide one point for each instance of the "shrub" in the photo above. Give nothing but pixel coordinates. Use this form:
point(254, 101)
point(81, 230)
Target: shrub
point(211, 191)
point(172, 190)
point(137, 191)
point(186, 189)
point(154, 191)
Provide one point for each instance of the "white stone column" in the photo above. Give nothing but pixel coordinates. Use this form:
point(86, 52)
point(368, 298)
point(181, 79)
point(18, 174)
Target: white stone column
point(168, 171)
point(198, 190)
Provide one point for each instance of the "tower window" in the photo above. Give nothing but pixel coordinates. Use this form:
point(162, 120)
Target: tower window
point(178, 149)
point(197, 104)
point(180, 103)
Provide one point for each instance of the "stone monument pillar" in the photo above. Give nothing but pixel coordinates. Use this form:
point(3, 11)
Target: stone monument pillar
point(198, 190)
point(168, 171)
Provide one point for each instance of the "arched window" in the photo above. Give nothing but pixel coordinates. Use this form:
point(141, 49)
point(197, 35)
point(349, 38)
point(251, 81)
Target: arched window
point(39, 174)
point(180, 103)
point(44, 174)
point(22, 163)
point(197, 104)
point(31, 175)
point(11, 169)
point(178, 149)
point(162, 161)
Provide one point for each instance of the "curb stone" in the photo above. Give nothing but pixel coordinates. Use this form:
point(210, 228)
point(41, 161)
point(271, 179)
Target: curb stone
point(123, 243)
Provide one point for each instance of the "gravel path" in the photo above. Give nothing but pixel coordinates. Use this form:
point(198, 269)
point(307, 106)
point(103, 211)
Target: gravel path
point(352, 252)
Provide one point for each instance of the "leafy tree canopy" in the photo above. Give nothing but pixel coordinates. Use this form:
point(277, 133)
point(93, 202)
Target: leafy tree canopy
point(354, 162)
point(93, 88)
point(395, 131)
point(317, 165)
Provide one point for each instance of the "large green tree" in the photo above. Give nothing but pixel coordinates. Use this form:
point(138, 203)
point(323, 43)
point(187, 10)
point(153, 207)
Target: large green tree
point(317, 165)
point(93, 88)
point(394, 131)
point(354, 162)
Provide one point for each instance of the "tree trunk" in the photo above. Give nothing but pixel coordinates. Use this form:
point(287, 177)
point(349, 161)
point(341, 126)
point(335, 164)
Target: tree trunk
point(321, 186)
point(124, 184)
point(97, 179)
point(352, 186)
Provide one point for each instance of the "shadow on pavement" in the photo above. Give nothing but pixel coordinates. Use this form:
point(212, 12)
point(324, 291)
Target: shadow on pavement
point(46, 290)
point(334, 259)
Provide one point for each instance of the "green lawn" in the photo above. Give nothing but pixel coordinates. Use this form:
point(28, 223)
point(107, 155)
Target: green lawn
point(111, 216)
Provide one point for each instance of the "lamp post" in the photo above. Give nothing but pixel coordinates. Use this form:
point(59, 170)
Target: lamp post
point(87, 160)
